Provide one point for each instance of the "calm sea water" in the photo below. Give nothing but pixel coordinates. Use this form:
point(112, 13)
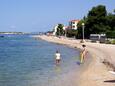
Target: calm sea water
point(25, 61)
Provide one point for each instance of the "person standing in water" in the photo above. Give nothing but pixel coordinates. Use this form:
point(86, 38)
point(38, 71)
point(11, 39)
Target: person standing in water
point(57, 57)
point(83, 54)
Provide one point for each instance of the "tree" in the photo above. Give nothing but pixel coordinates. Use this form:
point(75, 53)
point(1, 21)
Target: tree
point(114, 10)
point(80, 35)
point(95, 21)
point(110, 34)
point(110, 22)
point(60, 30)
point(71, 33)
point(98, 21)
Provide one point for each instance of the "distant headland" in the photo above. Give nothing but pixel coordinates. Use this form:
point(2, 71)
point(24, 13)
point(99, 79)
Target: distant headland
point(12, 33)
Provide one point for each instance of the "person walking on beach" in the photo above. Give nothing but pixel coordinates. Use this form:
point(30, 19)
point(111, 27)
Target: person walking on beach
point(57, 57)
point(83, 54)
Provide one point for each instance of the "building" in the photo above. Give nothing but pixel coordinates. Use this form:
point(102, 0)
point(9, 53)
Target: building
point(49, 33)
point(55, 29)
point(73, 24)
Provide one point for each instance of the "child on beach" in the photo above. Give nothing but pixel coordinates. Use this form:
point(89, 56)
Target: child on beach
point(83, 54)
point(57, 57)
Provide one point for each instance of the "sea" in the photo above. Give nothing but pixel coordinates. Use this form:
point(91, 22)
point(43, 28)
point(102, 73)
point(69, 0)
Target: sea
point(26, 61)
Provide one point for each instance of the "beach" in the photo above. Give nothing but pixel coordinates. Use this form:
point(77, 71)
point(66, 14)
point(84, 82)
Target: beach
point(95, 72)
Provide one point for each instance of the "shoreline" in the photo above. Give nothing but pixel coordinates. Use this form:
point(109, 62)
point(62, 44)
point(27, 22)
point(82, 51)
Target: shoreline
point(94, 71)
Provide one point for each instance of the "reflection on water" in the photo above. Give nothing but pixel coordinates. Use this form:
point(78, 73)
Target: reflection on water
point(57, 69)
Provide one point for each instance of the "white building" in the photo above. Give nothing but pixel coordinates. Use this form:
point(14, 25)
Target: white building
point(73, 24)
point(55, 29)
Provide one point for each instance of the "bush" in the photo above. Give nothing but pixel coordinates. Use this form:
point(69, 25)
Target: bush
point(108, 42)
point(71, 33)
point(110, 34)
point(113, 41)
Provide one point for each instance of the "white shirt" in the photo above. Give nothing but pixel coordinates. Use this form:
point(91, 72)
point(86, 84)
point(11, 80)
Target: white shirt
point(57, 55)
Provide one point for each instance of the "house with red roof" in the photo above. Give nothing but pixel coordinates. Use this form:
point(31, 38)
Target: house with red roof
point(73, 24)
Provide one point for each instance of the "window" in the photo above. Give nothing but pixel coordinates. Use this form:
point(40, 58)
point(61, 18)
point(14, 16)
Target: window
point(73, 22)
point(73, 26)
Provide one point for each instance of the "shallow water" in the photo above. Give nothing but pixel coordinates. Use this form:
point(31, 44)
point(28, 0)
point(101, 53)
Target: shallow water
point(25, 61)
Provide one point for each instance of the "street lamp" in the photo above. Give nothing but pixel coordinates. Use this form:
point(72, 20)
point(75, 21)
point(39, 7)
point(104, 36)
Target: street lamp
point(83, 25)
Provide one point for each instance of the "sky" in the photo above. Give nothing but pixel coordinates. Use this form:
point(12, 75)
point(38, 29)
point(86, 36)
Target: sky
point(43, 15)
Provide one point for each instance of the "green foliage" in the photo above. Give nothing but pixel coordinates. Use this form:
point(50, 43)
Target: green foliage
point(98, 11)
point(110, 34)
point(114, 10)
point(113, 41)
point(110, 41)
point(71, 33)
point(79, 35)
point(60, 30)
point(98, 21)
point(95, 20)
point(110, 20)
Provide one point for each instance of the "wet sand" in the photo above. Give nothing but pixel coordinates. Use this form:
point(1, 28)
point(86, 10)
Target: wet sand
point(95, 70)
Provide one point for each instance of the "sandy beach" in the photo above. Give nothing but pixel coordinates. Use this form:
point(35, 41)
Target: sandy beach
point(96, 73)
